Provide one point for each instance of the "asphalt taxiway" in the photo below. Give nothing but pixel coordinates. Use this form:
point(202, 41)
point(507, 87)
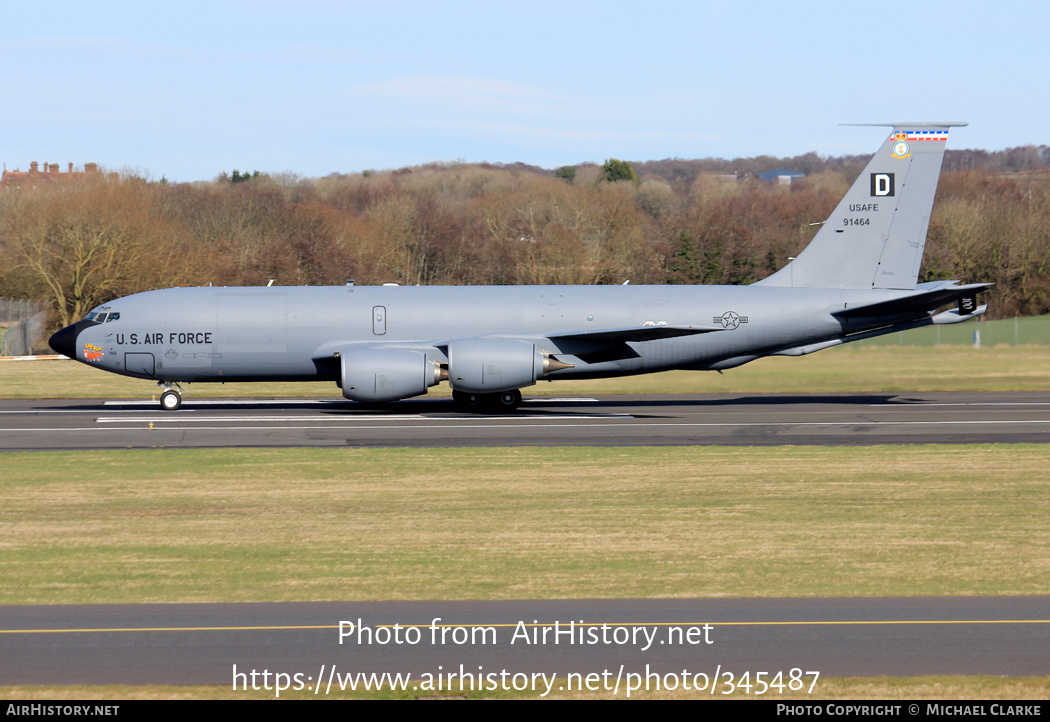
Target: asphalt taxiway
point(774, 419)
point(202, 643)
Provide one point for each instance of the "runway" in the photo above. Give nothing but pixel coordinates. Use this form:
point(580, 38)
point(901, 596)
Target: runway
point(831, 419)
point(201, 643)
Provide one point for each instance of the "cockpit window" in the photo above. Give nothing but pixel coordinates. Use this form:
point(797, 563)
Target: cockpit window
point(102, 315)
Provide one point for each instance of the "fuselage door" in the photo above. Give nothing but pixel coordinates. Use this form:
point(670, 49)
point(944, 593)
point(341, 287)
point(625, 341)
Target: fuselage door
point(139, 364)
point(379, 320)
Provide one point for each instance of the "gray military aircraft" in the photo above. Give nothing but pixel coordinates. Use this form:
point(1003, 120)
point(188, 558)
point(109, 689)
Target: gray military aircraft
point(855, 280)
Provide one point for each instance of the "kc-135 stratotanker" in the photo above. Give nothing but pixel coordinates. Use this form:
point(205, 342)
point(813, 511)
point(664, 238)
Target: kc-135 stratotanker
point(855, 280)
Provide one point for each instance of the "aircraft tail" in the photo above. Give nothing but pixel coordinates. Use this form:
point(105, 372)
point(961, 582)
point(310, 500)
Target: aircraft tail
point(876, 235)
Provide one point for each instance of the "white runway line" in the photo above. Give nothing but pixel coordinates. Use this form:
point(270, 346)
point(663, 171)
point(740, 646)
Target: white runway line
point(169, 419)
point(32, 412)
point(559, 399)
point(924, 404)
point(219, 402)
point(334, 400)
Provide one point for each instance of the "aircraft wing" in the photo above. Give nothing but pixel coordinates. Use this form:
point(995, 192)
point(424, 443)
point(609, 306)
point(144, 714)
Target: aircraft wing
point(930, 298)
point(610, 344)
point(635, 333)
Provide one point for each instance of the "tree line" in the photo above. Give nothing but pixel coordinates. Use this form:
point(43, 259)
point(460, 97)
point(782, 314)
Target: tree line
point(84, 242)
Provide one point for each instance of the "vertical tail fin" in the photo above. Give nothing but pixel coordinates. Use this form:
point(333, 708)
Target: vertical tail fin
point(876, 234)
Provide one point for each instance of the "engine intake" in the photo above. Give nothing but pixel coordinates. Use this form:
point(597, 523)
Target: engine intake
point(490, 365)
point(376, 375)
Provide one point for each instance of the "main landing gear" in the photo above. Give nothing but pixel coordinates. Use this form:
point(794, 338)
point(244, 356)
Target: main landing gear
point(171, 398)
point(503, 401)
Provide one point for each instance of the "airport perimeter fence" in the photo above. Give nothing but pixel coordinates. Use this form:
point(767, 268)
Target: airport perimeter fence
point(21, 325)
point(1026, 331)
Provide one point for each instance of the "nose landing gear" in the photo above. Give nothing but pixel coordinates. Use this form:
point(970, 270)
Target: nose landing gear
point(171, 398)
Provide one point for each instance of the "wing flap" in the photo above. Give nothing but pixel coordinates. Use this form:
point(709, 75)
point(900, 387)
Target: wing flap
point(635, 334)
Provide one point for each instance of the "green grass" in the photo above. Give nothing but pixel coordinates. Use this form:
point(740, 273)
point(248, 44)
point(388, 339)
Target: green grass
point(842, 688)
point(304, 524)
point(841, 370)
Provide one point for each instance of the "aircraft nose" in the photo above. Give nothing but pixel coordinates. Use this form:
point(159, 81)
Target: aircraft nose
point(65, 341)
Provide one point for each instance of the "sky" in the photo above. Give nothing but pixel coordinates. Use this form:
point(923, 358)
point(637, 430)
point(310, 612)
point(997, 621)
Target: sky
point(188, 90)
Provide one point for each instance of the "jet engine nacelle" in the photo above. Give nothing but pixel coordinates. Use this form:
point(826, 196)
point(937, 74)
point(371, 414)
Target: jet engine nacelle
point(491, 365)
point(377, 375)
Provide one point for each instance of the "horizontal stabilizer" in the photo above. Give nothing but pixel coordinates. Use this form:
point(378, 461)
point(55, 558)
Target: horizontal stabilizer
point(957, 316)
point(933, 297)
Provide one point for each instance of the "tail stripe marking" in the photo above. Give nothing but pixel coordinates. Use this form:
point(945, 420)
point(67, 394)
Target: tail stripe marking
point(926, 134)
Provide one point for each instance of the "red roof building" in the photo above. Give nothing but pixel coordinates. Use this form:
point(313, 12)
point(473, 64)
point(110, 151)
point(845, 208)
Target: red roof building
point(48, 174)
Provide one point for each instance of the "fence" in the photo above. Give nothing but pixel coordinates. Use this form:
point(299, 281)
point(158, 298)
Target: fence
point(22, 325)
point(1027, 331)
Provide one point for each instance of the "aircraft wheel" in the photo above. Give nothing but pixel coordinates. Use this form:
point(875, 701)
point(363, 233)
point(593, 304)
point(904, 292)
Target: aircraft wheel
point(508, 400)
point(170, 400)
point(467, 400)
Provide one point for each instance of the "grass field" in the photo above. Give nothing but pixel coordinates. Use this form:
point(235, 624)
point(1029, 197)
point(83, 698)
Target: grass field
point(841, 370)
point(308, 524)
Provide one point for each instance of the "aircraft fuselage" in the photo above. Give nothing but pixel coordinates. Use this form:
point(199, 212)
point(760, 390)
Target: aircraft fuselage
point(278, 333)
